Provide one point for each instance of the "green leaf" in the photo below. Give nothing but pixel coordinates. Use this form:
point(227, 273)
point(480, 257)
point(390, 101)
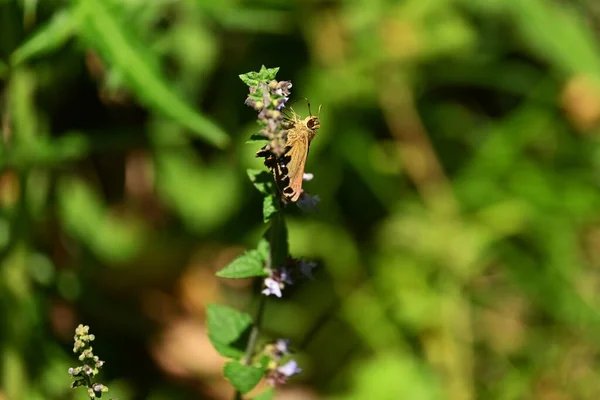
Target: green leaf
point(45, 150)
point(262, 181)
point(85, 217)
point(203, 197)
point(263, 248)
point(243, 377)
point(264, 75)
point(256, 138)
point(48, 38)
point(266, 395)
point(270, 207)
point(104, 30)
point(247, 265)
point(226, 329)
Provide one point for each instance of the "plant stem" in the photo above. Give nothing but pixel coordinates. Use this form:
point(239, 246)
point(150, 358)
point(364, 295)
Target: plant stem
point(255, 330)
point(253, 337)
point(274, 242)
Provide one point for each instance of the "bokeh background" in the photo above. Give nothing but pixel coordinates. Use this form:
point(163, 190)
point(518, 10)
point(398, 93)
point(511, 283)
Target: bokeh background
point(458, 167)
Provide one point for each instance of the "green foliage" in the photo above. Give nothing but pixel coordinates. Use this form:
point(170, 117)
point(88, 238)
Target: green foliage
point(114, 239)
point(263, 182)
point(48, 38)
point(249, 264)
point(226, 326)
point(266, 395)
point(101, 28)
point(264, 75)
point(243, 377)
point(457, 166)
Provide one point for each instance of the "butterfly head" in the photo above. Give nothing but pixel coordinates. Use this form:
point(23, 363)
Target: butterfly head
point(312, 123)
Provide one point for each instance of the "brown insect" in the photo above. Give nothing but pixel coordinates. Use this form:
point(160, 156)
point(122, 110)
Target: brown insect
point(288, 169)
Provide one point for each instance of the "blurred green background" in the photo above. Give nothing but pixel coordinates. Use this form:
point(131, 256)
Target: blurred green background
point(458, 167)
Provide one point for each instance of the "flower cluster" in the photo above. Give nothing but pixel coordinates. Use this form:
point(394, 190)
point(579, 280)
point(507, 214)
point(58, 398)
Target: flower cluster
point(90, 363)
point(269, 99)
point(278, 373)
point(279, 277)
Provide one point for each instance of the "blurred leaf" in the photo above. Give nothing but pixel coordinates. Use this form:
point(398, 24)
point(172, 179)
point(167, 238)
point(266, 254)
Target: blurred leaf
point(256, 20)
point(48, 38)
point(14, 381)
point(394, 376)
point(225, 327)
point(22, 105)
point(85, 217)
point(557, 34)
point(266, 395)
point(203, 196)
point(243, 377)
point(264, 75)
point(49, 151)
point(247, 265)
point(103, 30)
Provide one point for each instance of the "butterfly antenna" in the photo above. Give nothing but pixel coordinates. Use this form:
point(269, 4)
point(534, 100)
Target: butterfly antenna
point(319, 112)
point(286, 113)
point(308, 104)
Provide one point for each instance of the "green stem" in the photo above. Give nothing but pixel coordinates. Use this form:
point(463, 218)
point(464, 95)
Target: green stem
point(274, 239)
point(253, 337)
point(255, 330)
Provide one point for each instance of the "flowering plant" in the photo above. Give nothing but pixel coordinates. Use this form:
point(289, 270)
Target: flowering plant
point(270, 260)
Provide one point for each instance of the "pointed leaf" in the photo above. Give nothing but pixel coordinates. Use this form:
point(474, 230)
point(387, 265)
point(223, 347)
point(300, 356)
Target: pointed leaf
point(247, 265)
point(49, 37)
point(261, 180)
point(243, 377)
point(226, 328)
point(264, 75)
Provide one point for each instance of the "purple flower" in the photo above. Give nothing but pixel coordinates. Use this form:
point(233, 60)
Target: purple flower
point(289, 369)
point(282, 347)
point(281, 374)
point(284, 276)
point(272, 287)
point(277, 280)
point(307, 267)
point(308, 203)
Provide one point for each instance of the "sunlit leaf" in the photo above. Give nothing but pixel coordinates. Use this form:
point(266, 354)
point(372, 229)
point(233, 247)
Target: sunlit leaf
point(243, 377)
point(85, 217)
point(264, 75)
point(247, 265)
point(48, 38)
point(103, 29)
point(204, 197)
point(226, 328)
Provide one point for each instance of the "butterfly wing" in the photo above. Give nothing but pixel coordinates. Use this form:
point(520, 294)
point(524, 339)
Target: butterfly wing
point(296, 159)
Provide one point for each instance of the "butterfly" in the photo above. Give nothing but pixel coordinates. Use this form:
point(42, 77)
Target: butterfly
point(288, 168)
